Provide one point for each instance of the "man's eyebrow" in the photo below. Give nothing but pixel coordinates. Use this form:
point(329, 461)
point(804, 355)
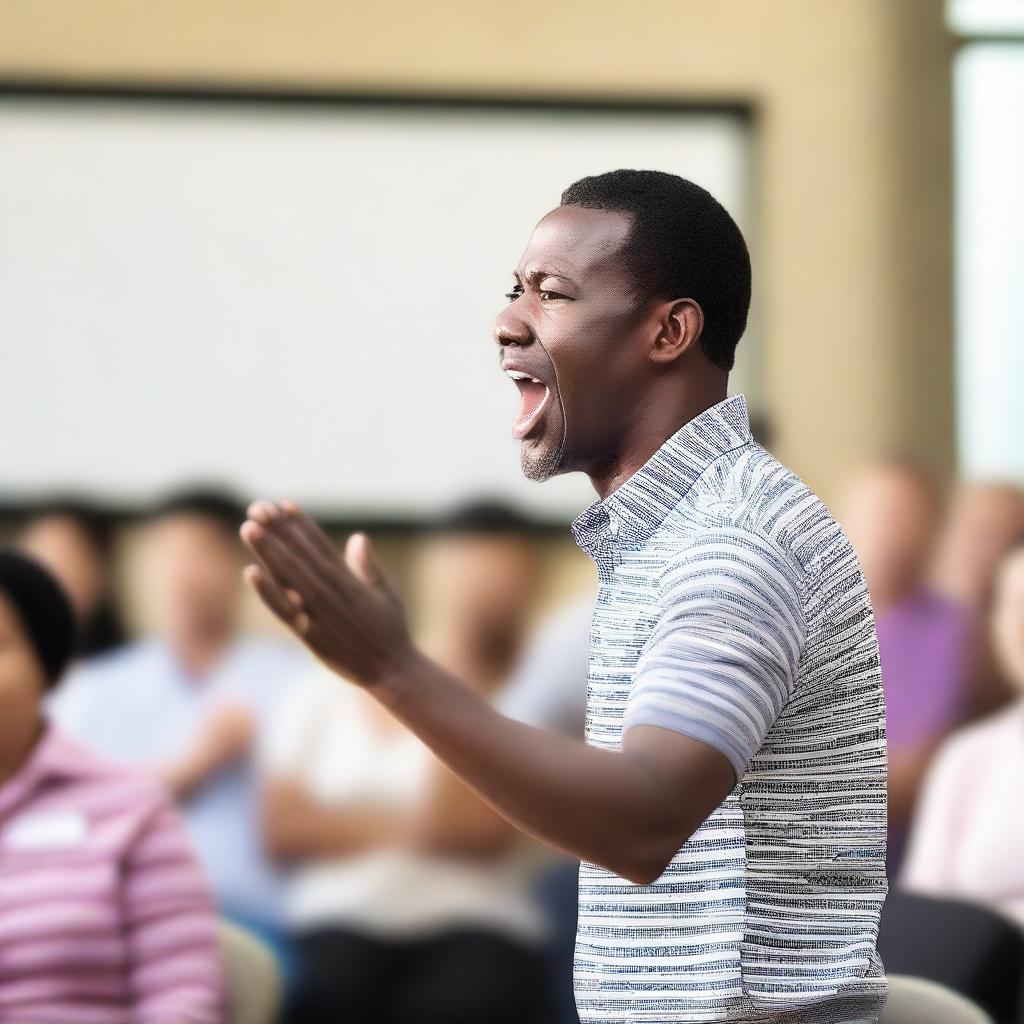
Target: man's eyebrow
point(539, 273)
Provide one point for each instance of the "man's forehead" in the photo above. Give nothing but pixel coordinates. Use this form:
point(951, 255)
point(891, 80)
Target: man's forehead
point(575, 240)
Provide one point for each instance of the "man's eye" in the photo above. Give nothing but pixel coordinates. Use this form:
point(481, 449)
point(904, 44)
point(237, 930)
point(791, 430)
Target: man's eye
point(514, 294)
point(554, 295)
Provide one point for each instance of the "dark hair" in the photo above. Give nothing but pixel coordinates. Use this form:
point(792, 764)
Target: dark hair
point(95, 524)
point(683, 245)
point(483, 516)
point(219, 506)
point(102, 628)
point(43, 609)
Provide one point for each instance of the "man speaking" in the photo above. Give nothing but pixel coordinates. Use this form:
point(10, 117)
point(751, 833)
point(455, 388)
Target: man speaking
point(729, 805)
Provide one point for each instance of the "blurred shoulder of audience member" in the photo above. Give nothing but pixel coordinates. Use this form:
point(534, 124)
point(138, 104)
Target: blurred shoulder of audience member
point(892, 512)
point(62, 808)
point(969, 830)
point(388, 850)
point(985, 520)
point(548, 687)
point(191, 700)
point(75, 541)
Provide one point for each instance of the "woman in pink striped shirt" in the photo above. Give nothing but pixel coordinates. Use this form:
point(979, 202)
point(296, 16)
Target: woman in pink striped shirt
point(105, 917)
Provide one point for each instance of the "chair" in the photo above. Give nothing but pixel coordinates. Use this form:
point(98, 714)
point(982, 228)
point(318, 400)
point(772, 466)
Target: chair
point(253, 978)
point(917, 1001)
point(966, 947)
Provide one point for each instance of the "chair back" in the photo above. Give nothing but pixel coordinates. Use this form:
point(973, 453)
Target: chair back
point(918, 1001)
point(253, 978)
point(964, 946)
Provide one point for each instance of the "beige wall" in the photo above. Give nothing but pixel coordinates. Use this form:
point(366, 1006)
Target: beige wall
point(853, 263)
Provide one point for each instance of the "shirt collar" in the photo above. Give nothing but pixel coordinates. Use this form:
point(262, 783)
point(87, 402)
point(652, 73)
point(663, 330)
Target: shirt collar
point(637, 507)
point(53, 756)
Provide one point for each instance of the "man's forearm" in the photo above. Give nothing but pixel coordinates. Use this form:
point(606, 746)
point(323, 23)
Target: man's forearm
point(559, 790)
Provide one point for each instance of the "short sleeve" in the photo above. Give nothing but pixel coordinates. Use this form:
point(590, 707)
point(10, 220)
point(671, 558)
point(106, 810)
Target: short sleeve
point(721, 661)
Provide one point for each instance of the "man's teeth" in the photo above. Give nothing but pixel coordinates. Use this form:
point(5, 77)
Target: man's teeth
point(519, 375)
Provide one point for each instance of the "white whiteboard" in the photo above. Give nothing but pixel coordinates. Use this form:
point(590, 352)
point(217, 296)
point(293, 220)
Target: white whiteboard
point(289, 299)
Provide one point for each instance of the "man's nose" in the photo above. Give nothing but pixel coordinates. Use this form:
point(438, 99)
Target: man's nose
point(509, 329)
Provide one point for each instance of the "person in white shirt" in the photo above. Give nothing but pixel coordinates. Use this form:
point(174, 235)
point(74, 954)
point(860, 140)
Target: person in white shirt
point(412, 900)
point(969, 830)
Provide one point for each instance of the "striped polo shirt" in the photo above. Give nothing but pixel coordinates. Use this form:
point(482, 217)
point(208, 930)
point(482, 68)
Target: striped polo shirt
point(731, 608)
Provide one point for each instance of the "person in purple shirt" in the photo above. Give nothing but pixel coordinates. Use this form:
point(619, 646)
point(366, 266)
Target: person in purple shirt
point(892, 511)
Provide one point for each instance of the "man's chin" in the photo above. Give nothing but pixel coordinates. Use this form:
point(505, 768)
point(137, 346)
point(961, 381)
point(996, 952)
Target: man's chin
point(539, 465)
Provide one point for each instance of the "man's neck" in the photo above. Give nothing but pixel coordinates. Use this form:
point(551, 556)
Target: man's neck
point(658, 421)
point(197, 653)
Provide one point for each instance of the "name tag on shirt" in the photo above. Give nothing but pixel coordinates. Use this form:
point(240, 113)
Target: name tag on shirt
point(58, 830)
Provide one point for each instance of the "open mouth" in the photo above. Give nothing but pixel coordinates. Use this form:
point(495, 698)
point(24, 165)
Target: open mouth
point(533, 399)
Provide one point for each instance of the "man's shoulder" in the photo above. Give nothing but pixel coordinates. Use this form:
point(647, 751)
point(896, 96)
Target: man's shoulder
point(135, 659)
point(986, 738)
point(750, 493)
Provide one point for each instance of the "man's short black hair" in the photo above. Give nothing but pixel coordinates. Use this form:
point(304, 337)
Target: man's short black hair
point(684, 245)
point(94, 522)
point(488, 516)
point(221, 507)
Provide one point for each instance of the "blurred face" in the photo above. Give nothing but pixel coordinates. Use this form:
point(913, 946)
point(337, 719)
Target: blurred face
point(61, 545)
point(482, 585)
point(22, 679)
point(890, 518)
point(195, 568)
point(1008, 617)
point(570, 338)
point(985, 521)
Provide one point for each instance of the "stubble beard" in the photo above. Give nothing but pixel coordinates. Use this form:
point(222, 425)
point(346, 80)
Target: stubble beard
point(540, 467)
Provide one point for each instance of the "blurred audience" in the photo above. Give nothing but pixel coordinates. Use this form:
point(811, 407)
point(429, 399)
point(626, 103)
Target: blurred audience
point(74, 541)
point(192, 701)
point(412, 899)
point(549, 689)
point(105, 916)
point(892, 512)
point(969, 831)
point(985, 520)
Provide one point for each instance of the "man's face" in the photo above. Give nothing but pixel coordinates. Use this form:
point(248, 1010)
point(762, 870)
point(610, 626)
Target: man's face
point(195, 571)
point(891, 519)
point(572, 339)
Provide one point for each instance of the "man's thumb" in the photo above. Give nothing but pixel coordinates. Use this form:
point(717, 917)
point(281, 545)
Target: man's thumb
point(362, 560)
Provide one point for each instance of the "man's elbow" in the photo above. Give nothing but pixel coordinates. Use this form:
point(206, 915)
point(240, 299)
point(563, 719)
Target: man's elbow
point(644, 863)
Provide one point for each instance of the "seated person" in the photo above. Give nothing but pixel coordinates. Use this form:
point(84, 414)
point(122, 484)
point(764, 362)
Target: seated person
point(412, 900)
point(191, 701)
point(969, 830)
point(105, 917)
point(76, 543)
point(891, 513)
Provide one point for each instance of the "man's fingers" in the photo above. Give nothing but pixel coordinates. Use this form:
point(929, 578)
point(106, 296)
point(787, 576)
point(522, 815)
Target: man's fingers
point(311, 533)
point(273, 596)
point(284, 566)
point(266, 513)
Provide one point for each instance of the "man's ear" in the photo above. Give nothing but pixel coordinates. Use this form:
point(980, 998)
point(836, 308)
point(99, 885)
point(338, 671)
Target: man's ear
point(680, 329)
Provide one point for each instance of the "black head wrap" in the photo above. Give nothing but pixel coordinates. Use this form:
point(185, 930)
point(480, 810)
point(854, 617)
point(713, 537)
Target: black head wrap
point(43, 608)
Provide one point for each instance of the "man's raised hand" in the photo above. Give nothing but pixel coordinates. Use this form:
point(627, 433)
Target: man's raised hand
point(344, 609)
